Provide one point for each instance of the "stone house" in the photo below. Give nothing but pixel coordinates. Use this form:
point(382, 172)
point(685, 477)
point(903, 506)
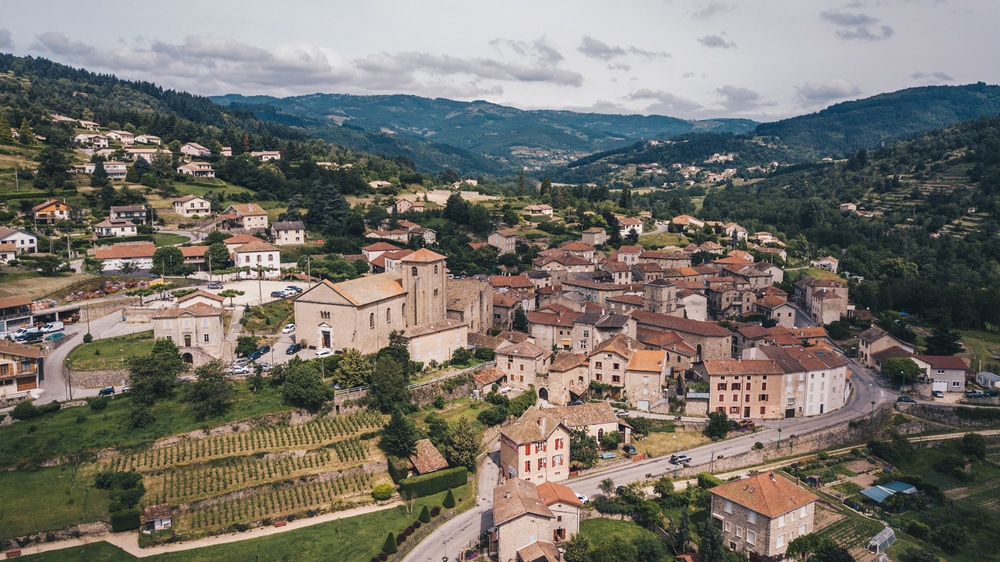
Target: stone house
point(535, 447)
point(244, 217)
point(523, 363)
point(874, 340)
point(644, 378)
point(529, 520)
point(760, 515)
point(196, 330)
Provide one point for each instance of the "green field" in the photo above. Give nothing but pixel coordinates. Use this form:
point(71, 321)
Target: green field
point(355, 539)
point(109, 353)
point(49, 498)
point(663, 239)
point(62, 433)
point(599, 530)
point(169, 239)
point(269, 318)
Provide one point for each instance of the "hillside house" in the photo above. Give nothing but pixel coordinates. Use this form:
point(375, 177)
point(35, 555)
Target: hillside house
point(192, 205)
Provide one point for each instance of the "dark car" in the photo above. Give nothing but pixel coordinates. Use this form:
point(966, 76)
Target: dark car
point(906, 399)
point(215, 285)
point(278, 294)
point(629, 450)
point(974, 394)
point(991, 392)
point(293, 349)
point(106, 391)
point(258, 353)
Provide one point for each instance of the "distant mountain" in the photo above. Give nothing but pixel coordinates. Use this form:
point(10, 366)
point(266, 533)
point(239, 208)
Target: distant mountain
point(440, 132)
point(844, 128)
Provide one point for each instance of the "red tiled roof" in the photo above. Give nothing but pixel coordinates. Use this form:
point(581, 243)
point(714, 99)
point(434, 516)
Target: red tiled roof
point(768, 494)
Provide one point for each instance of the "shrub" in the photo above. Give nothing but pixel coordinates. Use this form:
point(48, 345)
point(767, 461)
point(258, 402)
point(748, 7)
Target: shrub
point(758, 445)
point(126, 520)
point(400, 539)
point(449, 500)
point(87, 338)
point(918, 529)
point(81, 419)
point(98, 403)
point(417, 524)
point(484, 354)
point(25, 411)
point(390, 544)
point(435, 511)
point(435, 482)
point(439, 401)
point(49, 408)
point(383, 556)
point(425, 515)
point(397, 469)
point(382, 492)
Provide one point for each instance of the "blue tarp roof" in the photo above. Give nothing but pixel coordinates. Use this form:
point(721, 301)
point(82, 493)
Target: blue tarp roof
point(898, 486)
point(880, 493)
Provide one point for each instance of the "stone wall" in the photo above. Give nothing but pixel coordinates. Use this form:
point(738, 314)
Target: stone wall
point(101, 309)
point(96, 379)
point(945, 414)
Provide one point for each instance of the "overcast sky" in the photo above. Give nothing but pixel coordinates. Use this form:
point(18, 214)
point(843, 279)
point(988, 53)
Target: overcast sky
point(759, 59)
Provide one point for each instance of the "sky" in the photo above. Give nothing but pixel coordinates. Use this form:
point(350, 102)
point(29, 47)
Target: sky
point(757, 59)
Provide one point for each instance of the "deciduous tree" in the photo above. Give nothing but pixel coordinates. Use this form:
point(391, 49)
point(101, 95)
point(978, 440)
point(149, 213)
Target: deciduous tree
point(211, 392)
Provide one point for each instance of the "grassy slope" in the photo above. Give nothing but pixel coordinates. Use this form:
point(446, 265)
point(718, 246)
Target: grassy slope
point(60, 496)
point(60, 433)
point(107, 353)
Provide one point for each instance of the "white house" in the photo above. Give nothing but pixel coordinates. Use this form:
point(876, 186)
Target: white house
point(124, 137)
point(197, 169)
point(148, 139)
point(267, 155)
point(285, 233)
point(191, 205)
point(24, 242)
point(258, 254)
point(195, 149)
point(115, 227)
point(140, 254)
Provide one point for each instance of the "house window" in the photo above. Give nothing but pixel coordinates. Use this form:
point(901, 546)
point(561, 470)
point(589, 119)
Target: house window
point(734, 409)
point(598, 365)
point(762, 410)
point(527, 449)
point(727, 527)
point(616, 378)
point(598, 376)
point(522, 366)
point(752, 517)
point(527, 466)
point(722, 386)
point(371, 320)
point(615, 366)
point(413, 271)
point(781, 520)
point(763, 398)
point(781, 541)
point(722, 398)
point(388, 316)
point(736, 386)
point(435, 292)
point(763, 386)
point(207, 338)
point(746, 397)
point(802, 530)
point(751, 537)
point(736, 398)
point(803, 511)
point(729, 506)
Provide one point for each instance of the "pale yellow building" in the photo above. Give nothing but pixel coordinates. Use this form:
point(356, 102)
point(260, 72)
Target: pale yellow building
point(197, 331)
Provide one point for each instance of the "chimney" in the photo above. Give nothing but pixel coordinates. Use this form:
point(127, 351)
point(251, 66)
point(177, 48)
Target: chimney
point(772, 477)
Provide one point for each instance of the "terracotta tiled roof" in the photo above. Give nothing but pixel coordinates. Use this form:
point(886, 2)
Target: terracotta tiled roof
point(125, 250)
point(380, 247)
point(647, 361)
point(873, 334)
point(486, 377)
point(676, 324)
point(516, 497)
point(365, 290)
point(894, 352)
point(944, 361)
point(511, 281)
point(586, 414)
point(566, 361)
point(427, 458)
point(769, 494)
point(155, 512)
point(204, 294)
point(742, 367)
point(240, 239)
point(630, 250)
point(539, 551)
point(248, 209)
point(576, 246)
point(432, 327)
point(193, 251)
point(534, 425)
point(19, 350)
point(550, 492)
point(10, 302)
point(523, 349)
point(552, 319)
point(197, 309)
point(258, 246)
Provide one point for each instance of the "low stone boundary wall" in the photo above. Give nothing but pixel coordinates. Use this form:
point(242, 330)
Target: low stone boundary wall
point(946, 413)
point(97, 379)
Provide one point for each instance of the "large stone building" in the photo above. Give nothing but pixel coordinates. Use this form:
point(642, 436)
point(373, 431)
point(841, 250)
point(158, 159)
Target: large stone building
point(760, 515)
point(529, 520)
point(197, 330)
point(535, 447)
point(362, 313)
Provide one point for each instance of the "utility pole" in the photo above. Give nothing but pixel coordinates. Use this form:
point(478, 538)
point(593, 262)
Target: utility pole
point(871, 387)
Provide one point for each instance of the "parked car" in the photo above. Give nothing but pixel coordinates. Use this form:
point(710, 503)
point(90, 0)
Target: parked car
point(259, 353)
point(53, 327)
point(56, 336)
point(906, 399)
point(990, 392)
point(278, 294)
point(679, 459)
point(215, 285)
point(293, 349)
point(974, 394)
point(240, 370)
point(938, 394)
point(582, 498)
point(126, 388)
point(106, 391)
point(323, 353)
point(289, 328)
point(294, 288)
point(629, 449)
point(28, 334)
point(623, 413)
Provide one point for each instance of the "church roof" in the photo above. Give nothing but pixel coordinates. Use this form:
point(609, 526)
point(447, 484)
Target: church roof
point(423, 255)
point(366, 290)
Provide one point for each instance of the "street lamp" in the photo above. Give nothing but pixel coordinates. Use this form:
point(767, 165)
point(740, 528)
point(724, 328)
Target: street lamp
point(675, 456)
point(871, 387)
point(902, 381)
point(779, 432)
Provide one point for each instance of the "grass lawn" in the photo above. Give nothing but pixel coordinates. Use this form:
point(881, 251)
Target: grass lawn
point(659, 443)
point(979, 346)
point(599, 530)
point(269, 318)
point(59, 496)
point(107, 353)
point(355, 539)
point(203, 187)
point(169, 239)
point(60, 433)
point(93, 552)
point(34, 285)
point(663, 239)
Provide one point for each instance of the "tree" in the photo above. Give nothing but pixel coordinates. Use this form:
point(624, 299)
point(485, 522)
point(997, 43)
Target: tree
point(615, 549)
point(167, 259)
point(711, 548)
point(520, 184)
point(304, 385)
point(449, 500)
point(897, 366)
point(5, 134)
point(217, 256)
point(582, 448)
point(48, 264)
point(353, 370)
point(611, 440)
point(944, 341)
point(718, 425)
point(915, 554)
point(546, 187)
point(388, 389)
point(683, 535)
point(217, 236)
point(25, 134)
point(462, 446)
point(231, 294)
point(138, 416)
point(210, 393)
point(141, 292)
point(578, 549)
point(625, 199)
point(389, 546)
point(99, 178)
point(52, 168)
point(480, 220)
point(245, 345)
point(606, 486)
point(520, 320)
point(162, 164)
point(974, 444)
point(127, 267)
point(155, 375)
point(399, 435)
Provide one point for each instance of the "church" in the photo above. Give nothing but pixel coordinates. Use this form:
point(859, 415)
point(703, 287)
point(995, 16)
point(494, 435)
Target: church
point(362, 313)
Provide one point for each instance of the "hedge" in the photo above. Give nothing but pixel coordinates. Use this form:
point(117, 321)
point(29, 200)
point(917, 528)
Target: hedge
point(977, 413)
point(398, 469)
point(125, 520)
point(435, 482)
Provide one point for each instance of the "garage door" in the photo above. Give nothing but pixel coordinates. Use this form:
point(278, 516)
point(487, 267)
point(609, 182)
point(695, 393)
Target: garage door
point(26, 383)
point(939, 385)
point(644, 405)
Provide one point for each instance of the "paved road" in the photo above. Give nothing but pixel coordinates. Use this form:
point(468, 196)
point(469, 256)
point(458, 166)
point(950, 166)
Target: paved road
point(466, 528)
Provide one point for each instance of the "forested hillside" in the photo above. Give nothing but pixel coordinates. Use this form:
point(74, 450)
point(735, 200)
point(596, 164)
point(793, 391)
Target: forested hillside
point(929, 247)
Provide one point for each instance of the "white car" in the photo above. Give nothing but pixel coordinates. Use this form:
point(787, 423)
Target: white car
point(323, 353)
point(289, 328)
point(582, 498)
point(240, 370)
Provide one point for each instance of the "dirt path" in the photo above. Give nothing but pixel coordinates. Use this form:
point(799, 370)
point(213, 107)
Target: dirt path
point(129, 542)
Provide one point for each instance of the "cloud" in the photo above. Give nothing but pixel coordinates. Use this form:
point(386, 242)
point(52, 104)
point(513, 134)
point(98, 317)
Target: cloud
point(206, 64)
point(738, 99)
point(5, 41)
point(664, 103)
point(932, 77)
point(619, 66)
point(857, 26)
point(597, 49)
point(712, 9)
point(716, 42)
point(811, 94)
point(59, 44)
